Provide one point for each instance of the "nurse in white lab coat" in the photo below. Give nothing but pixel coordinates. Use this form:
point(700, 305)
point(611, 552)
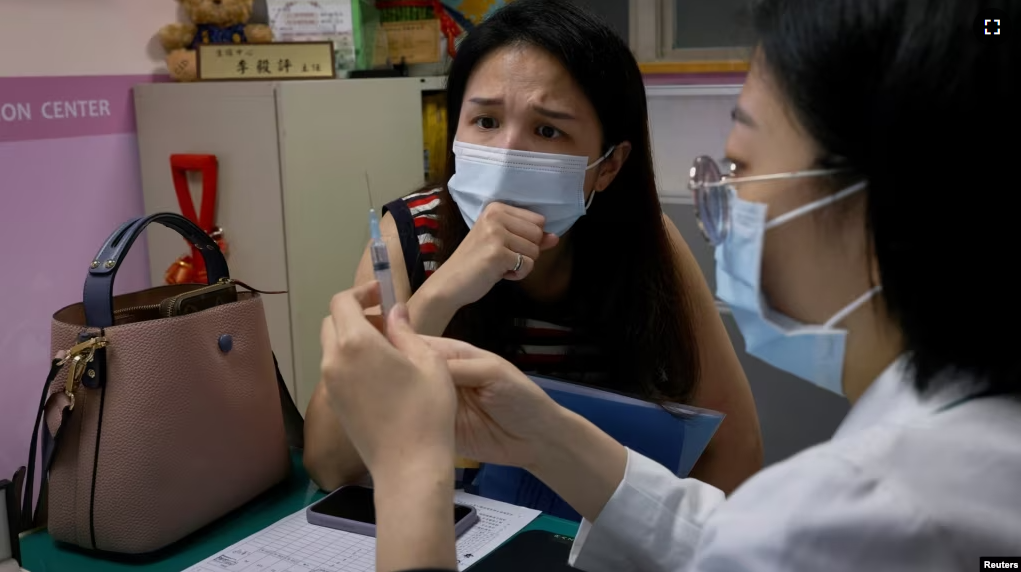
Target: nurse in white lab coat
point(865, 233)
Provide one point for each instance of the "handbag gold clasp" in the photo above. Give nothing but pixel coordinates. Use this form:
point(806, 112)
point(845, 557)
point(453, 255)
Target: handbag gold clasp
point(78, 357)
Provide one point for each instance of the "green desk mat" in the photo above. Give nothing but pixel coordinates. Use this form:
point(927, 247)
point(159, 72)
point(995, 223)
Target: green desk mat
point(41, 554)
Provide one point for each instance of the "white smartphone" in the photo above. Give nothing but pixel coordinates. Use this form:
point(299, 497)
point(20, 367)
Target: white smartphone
point(352, 509)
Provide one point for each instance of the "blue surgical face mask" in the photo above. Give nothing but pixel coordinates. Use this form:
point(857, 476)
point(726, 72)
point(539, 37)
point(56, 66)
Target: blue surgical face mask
point(545, 183)
point(812, 352)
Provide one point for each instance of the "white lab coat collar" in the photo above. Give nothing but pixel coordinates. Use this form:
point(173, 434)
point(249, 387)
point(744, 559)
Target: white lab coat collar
point(892, 398)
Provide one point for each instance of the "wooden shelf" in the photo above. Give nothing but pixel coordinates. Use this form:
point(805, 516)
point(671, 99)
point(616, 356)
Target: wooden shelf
point(693, 67)
point(433, 83)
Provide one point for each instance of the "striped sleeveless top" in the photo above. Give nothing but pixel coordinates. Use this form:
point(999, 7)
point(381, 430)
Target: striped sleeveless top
point(543, 342)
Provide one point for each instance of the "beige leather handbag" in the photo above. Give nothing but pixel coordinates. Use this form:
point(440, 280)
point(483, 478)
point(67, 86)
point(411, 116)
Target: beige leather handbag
point(164, 411)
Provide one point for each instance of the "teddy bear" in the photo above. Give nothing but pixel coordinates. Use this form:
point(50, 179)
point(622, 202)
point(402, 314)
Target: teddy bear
point(213, 22)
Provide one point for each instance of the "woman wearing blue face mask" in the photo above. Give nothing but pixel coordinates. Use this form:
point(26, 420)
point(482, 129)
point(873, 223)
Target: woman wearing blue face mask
point(548, 247)
point(859, 148)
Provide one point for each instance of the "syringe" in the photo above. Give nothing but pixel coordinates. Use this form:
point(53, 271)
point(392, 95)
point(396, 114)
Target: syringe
point(380, 260)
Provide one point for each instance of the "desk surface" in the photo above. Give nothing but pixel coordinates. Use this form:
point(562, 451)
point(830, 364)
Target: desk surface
point(41, 554)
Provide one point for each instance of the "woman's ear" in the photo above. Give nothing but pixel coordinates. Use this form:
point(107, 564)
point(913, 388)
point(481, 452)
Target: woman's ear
point(611, 166)
point(874, 273)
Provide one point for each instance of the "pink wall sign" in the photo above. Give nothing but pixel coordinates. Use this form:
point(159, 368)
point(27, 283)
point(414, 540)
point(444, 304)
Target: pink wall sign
point(33, 108)
point(69, 159)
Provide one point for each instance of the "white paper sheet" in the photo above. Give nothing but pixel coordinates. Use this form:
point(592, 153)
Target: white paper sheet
point(306, 20)
point(315, 20)
point(293, 545)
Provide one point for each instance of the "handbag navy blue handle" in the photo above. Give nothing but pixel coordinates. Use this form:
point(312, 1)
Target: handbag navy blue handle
point(98, 295)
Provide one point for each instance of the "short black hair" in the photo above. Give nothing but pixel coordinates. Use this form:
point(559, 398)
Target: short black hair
point(905, 93)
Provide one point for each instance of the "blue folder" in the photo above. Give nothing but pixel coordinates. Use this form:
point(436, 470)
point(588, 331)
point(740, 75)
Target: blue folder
point(673, 435)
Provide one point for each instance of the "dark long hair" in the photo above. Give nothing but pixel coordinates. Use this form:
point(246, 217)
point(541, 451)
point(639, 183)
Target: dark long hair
point(909, 95)
point(625, 285)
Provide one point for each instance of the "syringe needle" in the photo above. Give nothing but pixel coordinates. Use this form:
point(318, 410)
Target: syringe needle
point(368, 188)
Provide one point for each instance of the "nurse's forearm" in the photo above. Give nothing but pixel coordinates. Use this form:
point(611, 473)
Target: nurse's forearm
point(579, 462)
point(413, 507)
point(430, 310)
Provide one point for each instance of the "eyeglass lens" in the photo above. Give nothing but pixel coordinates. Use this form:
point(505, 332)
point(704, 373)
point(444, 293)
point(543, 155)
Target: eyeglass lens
point(710, 195)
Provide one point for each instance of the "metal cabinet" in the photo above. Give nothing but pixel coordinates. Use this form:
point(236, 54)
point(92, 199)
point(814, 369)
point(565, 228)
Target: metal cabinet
point(293, 203)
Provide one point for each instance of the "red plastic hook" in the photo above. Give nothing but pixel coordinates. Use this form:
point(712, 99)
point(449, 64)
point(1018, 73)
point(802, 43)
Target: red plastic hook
point(192, 268)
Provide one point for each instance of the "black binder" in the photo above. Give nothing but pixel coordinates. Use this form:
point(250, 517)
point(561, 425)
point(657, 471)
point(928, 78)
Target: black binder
point(532, 550)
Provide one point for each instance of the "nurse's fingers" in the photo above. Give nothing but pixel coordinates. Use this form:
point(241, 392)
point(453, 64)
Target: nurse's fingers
point(453, 349)
point(474, 372)
point(409, 343)
point(353, 331)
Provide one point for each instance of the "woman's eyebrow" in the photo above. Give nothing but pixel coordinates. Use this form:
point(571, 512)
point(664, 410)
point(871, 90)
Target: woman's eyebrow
point(552, 114)
point(486, 101)
point(545, 111)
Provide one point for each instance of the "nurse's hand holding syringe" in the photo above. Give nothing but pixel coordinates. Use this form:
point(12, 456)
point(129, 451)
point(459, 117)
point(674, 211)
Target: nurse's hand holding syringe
point(380, 259)
point(381, 265)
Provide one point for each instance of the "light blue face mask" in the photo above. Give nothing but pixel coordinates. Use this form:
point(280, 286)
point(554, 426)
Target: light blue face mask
point(738, 227)
point(544, 183)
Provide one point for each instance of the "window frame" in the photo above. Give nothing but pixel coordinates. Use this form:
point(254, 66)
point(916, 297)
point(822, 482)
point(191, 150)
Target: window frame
point(651, 37)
